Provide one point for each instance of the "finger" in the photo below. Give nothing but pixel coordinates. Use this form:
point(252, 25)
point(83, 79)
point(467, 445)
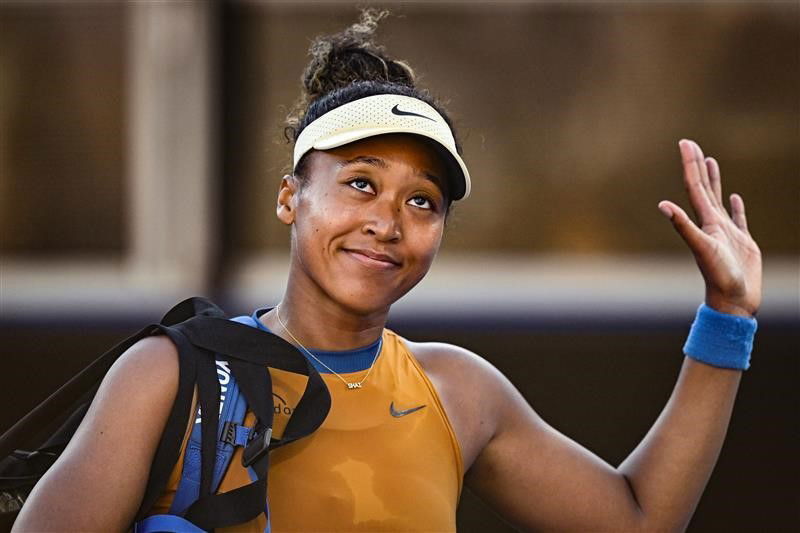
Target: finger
point(705, 179)
point(692, 180)
point(737, 212)
point(712, 167)
point(688, 230)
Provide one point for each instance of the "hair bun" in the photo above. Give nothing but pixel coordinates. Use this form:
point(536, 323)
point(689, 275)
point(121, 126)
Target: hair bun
point(351, 56)
point(347, 66)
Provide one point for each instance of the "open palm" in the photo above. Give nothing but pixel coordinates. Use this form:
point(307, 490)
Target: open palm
point(726, 253)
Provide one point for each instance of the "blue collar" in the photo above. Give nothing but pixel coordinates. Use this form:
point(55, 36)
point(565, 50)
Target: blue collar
point(340, 362)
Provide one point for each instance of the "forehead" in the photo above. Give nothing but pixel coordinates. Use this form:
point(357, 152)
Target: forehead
point(396, 148)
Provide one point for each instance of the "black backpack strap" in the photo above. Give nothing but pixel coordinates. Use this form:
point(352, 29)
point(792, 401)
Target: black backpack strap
point(250, 351)
point(243, 342)
point(199, 329)
point(233, 507)
point(191, 307)
point(262, 348)
point(246, 502)
point(208, 397)
point(169, 447)
point(196, 367)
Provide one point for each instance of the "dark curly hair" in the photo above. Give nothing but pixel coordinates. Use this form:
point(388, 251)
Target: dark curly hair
point(348, 66)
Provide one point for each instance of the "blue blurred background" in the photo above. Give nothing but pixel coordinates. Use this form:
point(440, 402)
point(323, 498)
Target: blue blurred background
point(141, 149)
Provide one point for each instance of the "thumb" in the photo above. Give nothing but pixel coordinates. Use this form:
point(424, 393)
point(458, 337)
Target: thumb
point(688, 230)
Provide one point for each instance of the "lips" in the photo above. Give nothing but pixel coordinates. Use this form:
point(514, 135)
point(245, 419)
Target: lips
point(373, 258)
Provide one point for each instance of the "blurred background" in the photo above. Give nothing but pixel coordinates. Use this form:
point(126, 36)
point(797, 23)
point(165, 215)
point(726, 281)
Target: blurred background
point(141, 149)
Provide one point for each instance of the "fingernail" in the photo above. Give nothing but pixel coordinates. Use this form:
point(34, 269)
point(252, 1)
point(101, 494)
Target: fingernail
point(665, 210)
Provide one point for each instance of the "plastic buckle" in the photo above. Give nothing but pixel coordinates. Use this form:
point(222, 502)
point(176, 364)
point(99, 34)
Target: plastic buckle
point(257, 446)
point(229, 433)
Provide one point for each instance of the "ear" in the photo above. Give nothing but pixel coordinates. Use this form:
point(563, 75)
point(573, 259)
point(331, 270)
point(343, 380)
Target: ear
point(287, 199)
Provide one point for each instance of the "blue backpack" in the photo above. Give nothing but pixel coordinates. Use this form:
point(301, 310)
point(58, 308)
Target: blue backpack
point(227, 361)
point(231, 433)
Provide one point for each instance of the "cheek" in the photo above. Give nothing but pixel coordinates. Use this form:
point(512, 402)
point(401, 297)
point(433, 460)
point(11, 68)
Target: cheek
point(319, 223)
point(427, 242)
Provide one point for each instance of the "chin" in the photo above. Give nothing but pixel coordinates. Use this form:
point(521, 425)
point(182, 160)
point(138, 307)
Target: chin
point(366, 299)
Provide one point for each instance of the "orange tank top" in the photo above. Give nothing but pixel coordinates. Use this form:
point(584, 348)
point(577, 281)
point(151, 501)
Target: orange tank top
point(377, 463)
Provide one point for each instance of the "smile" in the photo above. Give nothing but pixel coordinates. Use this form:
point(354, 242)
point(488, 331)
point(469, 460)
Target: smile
point(372, 259)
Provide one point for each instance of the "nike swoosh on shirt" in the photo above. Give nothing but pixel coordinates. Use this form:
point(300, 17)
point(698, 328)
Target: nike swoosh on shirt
point(400, 112)
point(397, 414)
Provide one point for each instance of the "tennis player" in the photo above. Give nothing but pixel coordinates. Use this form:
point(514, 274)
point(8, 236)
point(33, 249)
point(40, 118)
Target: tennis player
point(376, 168)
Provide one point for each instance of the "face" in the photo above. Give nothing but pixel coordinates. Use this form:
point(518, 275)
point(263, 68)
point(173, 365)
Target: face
point(367, 222)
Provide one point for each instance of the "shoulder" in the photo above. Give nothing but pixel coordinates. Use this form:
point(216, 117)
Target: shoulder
point(462, 371)
point(135, 397)
point(148, 369)
point(154, 350)
point(473, 392)
point(138, 391)
point(453, 361)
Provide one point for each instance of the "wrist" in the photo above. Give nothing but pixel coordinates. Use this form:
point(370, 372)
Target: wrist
point(721, 339)
point(723, 305)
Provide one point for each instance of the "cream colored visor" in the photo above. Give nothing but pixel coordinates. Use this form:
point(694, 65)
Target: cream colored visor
point(378, 115)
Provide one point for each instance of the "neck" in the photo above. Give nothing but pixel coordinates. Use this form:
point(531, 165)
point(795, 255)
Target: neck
point(321, 323)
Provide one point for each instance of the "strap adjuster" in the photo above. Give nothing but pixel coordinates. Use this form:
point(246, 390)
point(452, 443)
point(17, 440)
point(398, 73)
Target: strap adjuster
point(257, 445)
point(235, 434)
point(229, 433)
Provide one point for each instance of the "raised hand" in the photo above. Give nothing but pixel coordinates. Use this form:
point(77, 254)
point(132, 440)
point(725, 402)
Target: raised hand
point(727, 255)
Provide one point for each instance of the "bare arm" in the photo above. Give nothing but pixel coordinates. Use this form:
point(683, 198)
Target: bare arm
point(538, 478)
point(669, 469)
point(98, 482)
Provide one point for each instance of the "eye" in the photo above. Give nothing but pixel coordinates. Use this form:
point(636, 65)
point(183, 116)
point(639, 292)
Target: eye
point(421, 202)
point(361, 184)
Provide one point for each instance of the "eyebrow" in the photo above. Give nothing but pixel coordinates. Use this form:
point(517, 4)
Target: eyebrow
point(366, 159)
point(380, 163)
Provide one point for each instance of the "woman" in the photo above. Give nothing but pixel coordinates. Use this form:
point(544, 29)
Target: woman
point(376, 169)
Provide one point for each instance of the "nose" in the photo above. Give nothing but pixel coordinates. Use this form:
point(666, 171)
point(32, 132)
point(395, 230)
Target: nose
point(382, 220)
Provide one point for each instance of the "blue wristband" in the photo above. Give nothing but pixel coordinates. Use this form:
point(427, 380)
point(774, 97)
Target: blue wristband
point(720, 339)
